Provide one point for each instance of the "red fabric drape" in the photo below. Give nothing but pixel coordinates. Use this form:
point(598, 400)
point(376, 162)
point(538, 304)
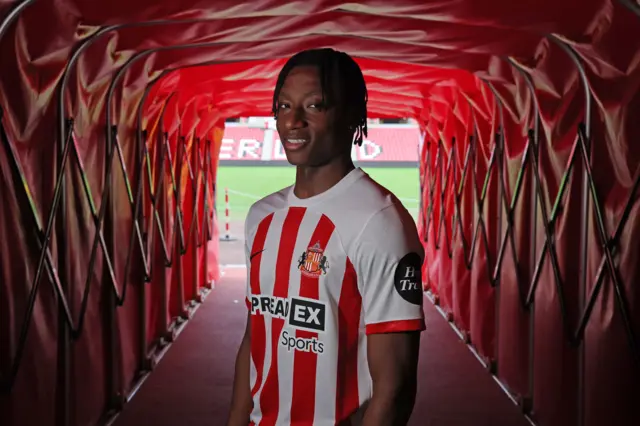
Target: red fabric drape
point(427, 60)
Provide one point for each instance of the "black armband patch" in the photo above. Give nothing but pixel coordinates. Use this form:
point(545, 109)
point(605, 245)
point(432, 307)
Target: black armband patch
point(408, 278)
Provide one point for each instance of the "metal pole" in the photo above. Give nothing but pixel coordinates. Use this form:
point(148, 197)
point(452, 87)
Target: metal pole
point(168, 334)
point(207, 225)
point(227, 229)
point(145, 360)
point(586, 219)
point(534, 138)
point(177, 252)
point(114, 394)
point(160, 158)
point(63, 388)
point(195, 232)
point(499, 141)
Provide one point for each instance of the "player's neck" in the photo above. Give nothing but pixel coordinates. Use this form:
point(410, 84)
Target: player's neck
point(312, 181)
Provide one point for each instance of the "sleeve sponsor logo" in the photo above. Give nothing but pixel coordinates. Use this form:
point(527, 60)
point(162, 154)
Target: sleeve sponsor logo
point(408, 278)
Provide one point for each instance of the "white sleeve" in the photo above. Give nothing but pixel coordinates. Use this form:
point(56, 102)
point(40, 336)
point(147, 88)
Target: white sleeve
point(388, 258)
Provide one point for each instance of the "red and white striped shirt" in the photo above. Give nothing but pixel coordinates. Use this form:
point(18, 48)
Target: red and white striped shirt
point(323, 273)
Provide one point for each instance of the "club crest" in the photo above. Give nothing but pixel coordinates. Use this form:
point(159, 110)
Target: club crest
point(313, 262)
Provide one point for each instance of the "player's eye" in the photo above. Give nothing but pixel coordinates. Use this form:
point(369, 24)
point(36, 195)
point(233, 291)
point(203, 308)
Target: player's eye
point(317, 105)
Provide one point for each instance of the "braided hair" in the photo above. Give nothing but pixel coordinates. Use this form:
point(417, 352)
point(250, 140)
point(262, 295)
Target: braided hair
point(340, 76)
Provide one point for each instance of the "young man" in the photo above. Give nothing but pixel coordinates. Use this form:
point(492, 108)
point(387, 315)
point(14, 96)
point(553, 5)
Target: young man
point(334, 287)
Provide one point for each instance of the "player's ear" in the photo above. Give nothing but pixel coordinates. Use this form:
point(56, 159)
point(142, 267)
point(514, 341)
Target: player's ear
point(344, 123)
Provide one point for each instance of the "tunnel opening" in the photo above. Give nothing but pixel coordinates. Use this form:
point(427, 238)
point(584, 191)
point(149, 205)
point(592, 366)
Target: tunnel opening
point(251, 147)
point(113, 117)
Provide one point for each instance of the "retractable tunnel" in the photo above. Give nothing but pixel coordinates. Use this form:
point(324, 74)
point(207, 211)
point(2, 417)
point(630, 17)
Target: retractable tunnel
point(112, 118)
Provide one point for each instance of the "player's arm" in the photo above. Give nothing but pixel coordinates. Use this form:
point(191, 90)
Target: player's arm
point(389, 259)
point(393, 364)
point(241, 403)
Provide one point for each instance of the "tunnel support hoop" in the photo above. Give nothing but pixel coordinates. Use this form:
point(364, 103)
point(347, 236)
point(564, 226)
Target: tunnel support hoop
point(13, 15)
point(631, 5)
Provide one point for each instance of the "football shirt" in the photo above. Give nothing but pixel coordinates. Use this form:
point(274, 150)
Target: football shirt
point(323, 273)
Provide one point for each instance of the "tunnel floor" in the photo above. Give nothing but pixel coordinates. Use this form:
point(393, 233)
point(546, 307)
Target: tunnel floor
point(192, 383)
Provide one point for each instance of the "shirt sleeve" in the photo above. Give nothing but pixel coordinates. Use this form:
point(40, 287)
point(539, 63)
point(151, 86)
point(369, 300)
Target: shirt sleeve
point(388, 258)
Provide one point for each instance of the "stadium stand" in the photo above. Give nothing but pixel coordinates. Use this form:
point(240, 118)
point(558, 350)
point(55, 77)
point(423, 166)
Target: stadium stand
point(387, 145)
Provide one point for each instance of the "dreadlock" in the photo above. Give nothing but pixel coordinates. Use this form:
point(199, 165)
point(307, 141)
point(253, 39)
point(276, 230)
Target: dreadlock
point(340, 77)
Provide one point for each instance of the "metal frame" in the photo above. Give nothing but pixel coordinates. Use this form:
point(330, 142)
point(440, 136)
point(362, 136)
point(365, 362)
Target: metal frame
point(584, 238)
point(85, 44)
point(203, 168)
point(100, 219)
point(13, 15)
point(45, 261)
point(629, 4)
point(69, 329)
point(499, 145)
point(65, 133)
point(530, 158)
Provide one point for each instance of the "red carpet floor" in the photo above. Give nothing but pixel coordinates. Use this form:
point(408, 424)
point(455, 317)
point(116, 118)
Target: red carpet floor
point(191, 385)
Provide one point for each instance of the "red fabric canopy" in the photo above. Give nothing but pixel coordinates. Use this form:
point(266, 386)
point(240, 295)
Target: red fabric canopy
point(460, 69)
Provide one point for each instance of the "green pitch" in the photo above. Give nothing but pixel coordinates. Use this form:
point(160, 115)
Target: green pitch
point(248, 184)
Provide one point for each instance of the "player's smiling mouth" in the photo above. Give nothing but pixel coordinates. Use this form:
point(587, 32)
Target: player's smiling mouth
point(294, 144)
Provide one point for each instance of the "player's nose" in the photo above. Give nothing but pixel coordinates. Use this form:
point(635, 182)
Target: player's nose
point(295, 119)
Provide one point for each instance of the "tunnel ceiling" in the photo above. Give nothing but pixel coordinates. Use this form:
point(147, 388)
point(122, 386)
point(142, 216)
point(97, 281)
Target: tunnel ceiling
point(438, 62)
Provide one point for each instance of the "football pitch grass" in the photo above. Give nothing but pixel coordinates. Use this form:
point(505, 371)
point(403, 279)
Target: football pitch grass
point(247, 184)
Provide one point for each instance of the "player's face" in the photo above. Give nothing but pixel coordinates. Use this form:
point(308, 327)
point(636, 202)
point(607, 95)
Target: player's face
point(311, 134)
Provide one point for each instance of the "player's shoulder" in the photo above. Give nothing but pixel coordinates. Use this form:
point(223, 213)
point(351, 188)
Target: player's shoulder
point(368, 200)
point(265, 206)
point(368, 205)
point(386, 225)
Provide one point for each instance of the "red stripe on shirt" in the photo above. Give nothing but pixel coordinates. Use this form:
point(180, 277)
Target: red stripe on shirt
point(269, 398)
point(258, 329)
point(349, 310)
point(305, 363)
